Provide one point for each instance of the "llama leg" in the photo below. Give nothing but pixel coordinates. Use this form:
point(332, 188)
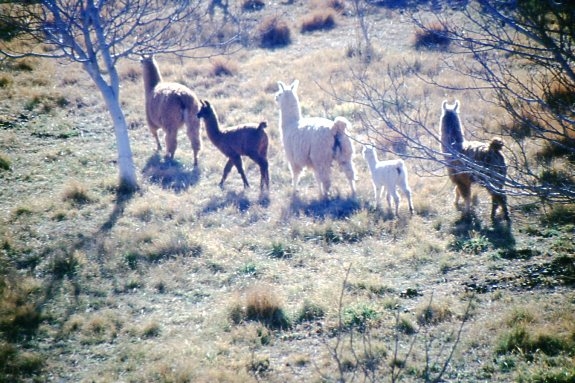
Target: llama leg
point(295, 174)
point(377, 191)
point(323, 178)
point(264, 174)
point(396, 200)
point(227, 170)
point(193, 131)
point(457, 195)
point(388, 198)
point(154, 130)
point(407, 192)
point(499, 200)
point(239, 165)
point(464, 191)
point(350, 174)
point(171, 142)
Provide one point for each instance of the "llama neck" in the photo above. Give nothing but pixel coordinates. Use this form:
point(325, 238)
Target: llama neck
point(290, 112)
point(151, 74)
point(212, 125)
point(451, 133)
point(371, 160)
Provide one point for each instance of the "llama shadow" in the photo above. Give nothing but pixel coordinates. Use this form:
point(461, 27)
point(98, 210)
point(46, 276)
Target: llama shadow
point(499, 234)
point(170, 174)
point(239, 200)
point(332, 207)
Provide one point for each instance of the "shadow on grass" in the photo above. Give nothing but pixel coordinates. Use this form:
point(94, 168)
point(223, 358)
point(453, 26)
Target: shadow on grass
point(122, 198)
point(499, 234)
point(239, 200)
point(333, 207)
point(170, 174)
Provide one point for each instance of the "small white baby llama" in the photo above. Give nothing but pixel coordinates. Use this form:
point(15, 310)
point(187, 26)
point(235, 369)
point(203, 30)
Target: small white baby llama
point(388, 175)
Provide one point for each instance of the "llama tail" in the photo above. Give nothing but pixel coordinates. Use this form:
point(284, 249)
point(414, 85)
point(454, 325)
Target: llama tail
point(342, 148)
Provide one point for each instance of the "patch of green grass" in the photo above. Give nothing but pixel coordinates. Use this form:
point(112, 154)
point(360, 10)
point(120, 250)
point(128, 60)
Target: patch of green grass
point(249, 268)
point(65, 265)
point(559, 215)
point(549, 374)
point(15, 364)
point(475, 245)
point(281, 251)
point(310, 311)
point(5, 162)
point(527, 341)
point(20, 313)
point(360, 316)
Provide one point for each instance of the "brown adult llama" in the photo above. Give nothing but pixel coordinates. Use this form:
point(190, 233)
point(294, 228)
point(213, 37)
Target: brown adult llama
point(472, 162)
point(249, 140)
point(170, 105)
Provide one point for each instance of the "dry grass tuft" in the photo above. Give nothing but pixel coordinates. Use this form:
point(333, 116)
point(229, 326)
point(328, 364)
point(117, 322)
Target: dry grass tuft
point(320, 20)
point(274, 32)
point(261, 305)
point(560, 98)
point(432, 37)
point(223, 67)
point(433, 313)
point(6, 81)
point(76, 193)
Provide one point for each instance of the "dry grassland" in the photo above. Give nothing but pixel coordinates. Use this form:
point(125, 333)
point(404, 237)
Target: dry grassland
point(184, 282)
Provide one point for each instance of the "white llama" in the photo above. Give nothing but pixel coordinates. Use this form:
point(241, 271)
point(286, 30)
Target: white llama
point(388, 175)
point(313, 142)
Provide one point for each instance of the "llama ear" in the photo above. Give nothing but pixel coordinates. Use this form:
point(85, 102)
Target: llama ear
point(444, 105)
point(294, 85)
point(455, 109)
point(281, 85)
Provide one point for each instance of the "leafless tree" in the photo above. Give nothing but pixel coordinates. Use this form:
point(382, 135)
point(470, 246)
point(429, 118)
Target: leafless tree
point(521, 58)
point(98, 34)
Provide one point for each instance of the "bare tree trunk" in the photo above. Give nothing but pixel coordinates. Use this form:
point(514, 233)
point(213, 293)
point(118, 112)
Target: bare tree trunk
point(128, 180)
point(111, 93)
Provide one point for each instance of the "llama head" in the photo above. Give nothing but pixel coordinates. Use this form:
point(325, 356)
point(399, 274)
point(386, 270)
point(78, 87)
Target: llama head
point(451, 130)
point(286, 92)
point(454, 108)
point(496, 144)
point(368, 152)
point(287, 99)
point(205, 109)
point(151, 72)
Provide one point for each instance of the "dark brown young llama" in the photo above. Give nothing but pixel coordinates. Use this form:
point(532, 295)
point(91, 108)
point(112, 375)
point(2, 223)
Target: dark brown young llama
point(471, 162)
point(245, 140)
point(170, 105)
